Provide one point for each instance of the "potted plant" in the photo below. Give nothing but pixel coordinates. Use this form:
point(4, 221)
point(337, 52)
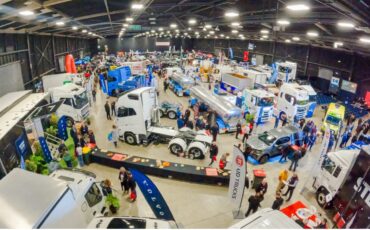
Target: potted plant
point(113, 203)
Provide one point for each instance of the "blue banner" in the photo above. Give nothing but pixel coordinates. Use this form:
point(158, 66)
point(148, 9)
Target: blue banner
point(231, 53)
point(62, 128)
point(22, 147)
point(45, 149)
point(152, 196)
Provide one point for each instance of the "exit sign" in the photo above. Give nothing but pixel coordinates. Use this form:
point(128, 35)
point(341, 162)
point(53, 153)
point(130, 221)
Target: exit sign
point(134, 27)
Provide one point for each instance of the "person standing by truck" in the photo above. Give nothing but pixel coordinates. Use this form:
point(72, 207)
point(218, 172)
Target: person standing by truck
point(113, 108)
point(295, 158)
point(114, 135)
point(292, 184)
point(283, 177)
point(79, 156)
point(277, 202)
point(214, 132)
point(123, 179)
point(107, 110)
point(238, 130)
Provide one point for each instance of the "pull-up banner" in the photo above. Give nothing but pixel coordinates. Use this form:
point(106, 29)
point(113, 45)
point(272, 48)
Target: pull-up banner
point(152, 196)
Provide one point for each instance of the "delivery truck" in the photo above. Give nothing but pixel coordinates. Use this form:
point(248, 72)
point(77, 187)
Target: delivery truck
point(260, 103)
point(65, 199)
point(344, 180)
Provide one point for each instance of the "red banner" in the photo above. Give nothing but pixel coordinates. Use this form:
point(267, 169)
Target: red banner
point(246, 56)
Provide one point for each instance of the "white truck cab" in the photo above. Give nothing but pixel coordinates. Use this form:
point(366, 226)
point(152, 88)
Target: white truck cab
point(267, 219)
point(65, 199)
point(287, 71)
point(260, 103)
point(130, 223)
point(292, 101)
point(76, 103)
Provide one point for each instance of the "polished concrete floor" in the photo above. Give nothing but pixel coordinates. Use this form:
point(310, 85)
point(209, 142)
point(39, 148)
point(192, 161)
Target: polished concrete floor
point(196, 205)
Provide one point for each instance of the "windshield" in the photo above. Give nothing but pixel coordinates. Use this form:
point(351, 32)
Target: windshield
point(127, 223)
point(266, 101)
point(312, 98)
point(302, 102)
point(333, 120)
point(267, 139)
point(81, 100)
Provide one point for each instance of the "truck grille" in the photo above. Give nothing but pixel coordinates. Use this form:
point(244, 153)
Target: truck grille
point(85, 112)
point(265, 116)
point(301, 112)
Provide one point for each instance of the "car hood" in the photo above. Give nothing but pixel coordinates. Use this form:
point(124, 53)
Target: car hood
point(256, 143)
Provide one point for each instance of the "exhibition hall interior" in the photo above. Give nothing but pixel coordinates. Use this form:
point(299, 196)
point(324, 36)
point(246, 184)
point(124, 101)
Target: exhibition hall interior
point(194, 114)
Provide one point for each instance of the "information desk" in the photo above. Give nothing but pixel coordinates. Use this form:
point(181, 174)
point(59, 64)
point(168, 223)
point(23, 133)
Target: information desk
point(154, 167)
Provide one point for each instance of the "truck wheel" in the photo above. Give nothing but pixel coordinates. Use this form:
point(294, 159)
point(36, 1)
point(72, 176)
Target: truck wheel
point(130, 139)
point(263, 159)
point(321, 196)
point(195, 153)
point(172, 115)
point(161, 113)
point(176, 148)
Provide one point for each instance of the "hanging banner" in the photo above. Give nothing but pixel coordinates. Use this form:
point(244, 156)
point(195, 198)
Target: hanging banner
point(245, 56)
point(237, 177)
point(231, 53)
point(45, 149)
point(22, 149)
point(152, 196)
point(62, 128)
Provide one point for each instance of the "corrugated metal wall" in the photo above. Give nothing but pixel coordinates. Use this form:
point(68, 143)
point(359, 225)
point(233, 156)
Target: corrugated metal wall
point(38, 54)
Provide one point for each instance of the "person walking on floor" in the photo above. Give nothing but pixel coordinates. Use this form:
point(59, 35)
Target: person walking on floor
point(223, 160)
point(238, 130)
point(262, 188)
point(254, 203)
point(107, 110)
point(113, 108)
point(292, 184)
point(79, 155)
point(187, 115)
point(246, 131)
point(284, 153)
point(123, 179)
point(132, 185)
point(283, 177)
point(295, 158)
point(214, 132)
point(114, 135)
point(277, 202)
point(213, 153)
point(247, 151)
point(311, 141)
point(93, 92)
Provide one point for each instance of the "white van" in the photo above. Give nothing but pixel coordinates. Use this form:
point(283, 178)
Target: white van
point(267, 219)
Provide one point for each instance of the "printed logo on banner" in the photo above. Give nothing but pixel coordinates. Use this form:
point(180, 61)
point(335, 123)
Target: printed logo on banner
point(152, 196)
point(239, 161)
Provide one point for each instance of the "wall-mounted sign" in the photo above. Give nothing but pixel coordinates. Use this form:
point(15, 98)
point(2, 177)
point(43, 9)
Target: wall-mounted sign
point(349, 86)
point(250, 46)
point(334, 85)
point(162, 43)
point(134, 27)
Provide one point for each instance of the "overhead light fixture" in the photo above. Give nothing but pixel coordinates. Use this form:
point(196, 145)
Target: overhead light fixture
point(185, 33)
point(168, 31)
point(345, 24)
point(125, 25)
point(231, 14)
point(173, 25)
point(153, 31)
point(208, 26)
point(74, 28)
point(26, 13)
point(204, 29)
point(235, 24)
point(151, 19)
point(227, 37)
point(222, 35)
point(137, 6)
point(312, 34)
point(189, 29)
point(234, 31)
point(84, 31)
point(60, 23)
point(196, 32)
point(265, 36)
point(160, 29)
point(287, 40)
point(338, 44)
point(283, 22)
point(298, 7)
point(177, 31)
point(296, 38)
point(129, 19)
point(212, 32)
point(192, 21)
point(365, 39)
point(264, 32)
point(89, 33)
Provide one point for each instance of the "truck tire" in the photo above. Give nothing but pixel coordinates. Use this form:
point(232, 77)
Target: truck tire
point(196, 150)
point(263, 159)
point(161, 113)
point(177, 145)
point(321, 196)
point(130, 139)
point(171, 115)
